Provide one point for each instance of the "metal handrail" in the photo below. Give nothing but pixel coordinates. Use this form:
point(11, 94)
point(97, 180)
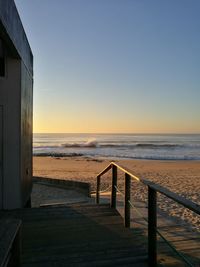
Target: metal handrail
point(158, 232)
point(178, 198)
point(125, 170)
point(152, 205)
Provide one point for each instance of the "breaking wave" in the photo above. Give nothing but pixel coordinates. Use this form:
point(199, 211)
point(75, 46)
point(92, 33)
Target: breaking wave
point(171, 147)
point(95, 144)
point(90, 143)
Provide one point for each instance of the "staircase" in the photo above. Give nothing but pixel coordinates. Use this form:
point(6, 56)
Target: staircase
point(79, 235)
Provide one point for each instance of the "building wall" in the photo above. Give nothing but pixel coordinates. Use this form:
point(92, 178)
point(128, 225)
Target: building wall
point(1, 156)
point(26, 132)
point(16, 94)
point(10, 102)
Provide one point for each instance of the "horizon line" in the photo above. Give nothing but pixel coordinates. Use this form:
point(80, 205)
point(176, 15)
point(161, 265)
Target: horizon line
point(155, 133)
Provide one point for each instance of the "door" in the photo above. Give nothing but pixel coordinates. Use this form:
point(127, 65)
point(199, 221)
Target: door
point(1, 157)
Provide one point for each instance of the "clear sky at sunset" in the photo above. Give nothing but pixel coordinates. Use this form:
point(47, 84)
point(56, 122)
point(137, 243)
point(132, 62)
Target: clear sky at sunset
point(114, 65)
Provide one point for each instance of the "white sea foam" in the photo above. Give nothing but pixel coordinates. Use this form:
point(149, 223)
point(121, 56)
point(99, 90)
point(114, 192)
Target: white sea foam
point(165, 147)
point(92, 142)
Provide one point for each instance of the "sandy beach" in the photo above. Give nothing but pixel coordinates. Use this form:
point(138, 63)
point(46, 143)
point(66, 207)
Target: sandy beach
point(182, 177)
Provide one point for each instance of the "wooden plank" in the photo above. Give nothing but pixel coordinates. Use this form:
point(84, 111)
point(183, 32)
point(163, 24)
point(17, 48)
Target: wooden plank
point(78, 235)
point(51, 235)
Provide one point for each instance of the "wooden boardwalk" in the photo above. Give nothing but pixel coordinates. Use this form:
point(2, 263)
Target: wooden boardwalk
point(79, 235)
point(183, 238)
point(94, 235)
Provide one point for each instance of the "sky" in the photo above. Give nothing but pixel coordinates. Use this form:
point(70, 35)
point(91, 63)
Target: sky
point(114, 66)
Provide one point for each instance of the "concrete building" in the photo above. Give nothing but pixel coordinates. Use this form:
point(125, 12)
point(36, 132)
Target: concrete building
point(16, 96)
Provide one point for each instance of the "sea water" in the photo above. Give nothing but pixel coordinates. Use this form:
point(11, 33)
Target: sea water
point(127, 146)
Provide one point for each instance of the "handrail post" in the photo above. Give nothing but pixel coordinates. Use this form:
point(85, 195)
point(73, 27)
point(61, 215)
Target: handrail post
point(126, 200)
point(98, 189)
point(152, 226)
point(114, 184)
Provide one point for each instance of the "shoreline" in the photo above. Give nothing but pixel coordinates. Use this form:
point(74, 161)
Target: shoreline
point(77, 155)
point(181, 177)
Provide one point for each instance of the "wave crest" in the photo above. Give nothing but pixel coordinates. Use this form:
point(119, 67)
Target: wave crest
point(90, 143)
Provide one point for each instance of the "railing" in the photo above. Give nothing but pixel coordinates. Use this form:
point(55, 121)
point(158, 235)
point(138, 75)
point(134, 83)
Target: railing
point(152, 206)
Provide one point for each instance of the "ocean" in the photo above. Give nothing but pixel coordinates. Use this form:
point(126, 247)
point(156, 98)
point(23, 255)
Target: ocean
point(119, 146)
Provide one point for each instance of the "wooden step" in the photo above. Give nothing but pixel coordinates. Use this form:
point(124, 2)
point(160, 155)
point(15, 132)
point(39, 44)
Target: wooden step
point(79, 235)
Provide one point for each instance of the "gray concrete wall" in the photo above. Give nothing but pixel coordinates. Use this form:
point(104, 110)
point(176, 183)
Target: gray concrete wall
point(16, 94)
point(10, 101)
point(16, 97)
